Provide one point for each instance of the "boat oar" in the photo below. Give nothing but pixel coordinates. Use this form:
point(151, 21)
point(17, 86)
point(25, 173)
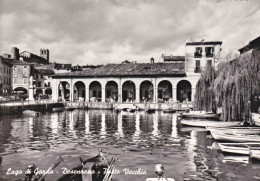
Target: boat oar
point(53, 165)
point(109, 171)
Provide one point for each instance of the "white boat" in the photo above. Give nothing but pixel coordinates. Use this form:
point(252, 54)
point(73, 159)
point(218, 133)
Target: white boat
point(200, 115)
point(58, 109)
point(204, 124)
point(255, 154)
point(256, 118)
point(234, 137)
point(237, 148)
point(235, 130)
point(31, 113)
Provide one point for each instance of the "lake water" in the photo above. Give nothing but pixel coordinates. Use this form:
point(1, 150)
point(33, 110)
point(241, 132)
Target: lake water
point(138, 140)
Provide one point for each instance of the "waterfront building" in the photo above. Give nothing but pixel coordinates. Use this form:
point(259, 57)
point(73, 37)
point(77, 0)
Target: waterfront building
point(5, 75)
point(200, 54)
point(171, 81)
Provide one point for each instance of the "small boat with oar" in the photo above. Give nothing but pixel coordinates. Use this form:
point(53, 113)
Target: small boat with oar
point(31, 113)
point(97, 168)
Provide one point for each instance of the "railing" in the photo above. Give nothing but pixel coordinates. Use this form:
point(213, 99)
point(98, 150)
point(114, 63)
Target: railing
point(197, 55)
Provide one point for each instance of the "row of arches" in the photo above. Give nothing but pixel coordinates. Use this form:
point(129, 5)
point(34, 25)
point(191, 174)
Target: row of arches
point(128, 92)
point(37, 92)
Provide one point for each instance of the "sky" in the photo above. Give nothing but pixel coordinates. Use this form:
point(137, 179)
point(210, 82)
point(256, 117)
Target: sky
point(110, 31)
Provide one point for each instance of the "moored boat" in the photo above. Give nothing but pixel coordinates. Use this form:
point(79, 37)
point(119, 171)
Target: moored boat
point(235, 130)
point(201, 115)
point(254, 154)
point(31, 113)
point(237, 148)
point(234, 137)
point(97, 168)
point(58, 109)
point(150, 110)
point(169, 111)
point(204, 124)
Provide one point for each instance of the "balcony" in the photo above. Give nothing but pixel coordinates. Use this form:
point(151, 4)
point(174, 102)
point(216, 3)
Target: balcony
point(197, 54)
point(208, 54)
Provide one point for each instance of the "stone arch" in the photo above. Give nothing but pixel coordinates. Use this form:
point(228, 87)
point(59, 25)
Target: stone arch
point(38, 92)
point(95, 91)
point(128, 91)
point(21, 92)
point(48, 91)
point(164, 91)
point(111, 91)
point(146, 91)
point(79, 91)
point(184, 91)
point(64, 91)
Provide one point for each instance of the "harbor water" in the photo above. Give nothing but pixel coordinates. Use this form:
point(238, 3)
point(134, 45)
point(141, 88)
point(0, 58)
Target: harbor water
point(138, 141)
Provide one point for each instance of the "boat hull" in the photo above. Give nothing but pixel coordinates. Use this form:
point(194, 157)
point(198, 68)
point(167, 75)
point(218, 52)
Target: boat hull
point(235, 137)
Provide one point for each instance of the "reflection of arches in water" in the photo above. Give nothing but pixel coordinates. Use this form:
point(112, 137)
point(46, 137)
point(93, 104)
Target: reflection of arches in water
point(164, 90)
point(111, 91)
point(184, 91)
point(95, 91)
point(87, 130)
point(128, 91)
point(79, 91)
point(146, 91)
point(64, 90)
point(174, 126)
point(120, 125)
point(155, 131)
point(137, 127)
point(103, 125)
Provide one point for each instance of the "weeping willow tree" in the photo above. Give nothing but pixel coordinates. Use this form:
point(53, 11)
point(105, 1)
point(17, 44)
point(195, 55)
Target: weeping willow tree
point(233, 86)
point(205, 95)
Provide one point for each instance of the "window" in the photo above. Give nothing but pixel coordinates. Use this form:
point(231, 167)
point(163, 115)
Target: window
point(197, 68)
point(209, 51)
point(198, 52)
point(209, 62)
point(39, 84)
point(41, 76)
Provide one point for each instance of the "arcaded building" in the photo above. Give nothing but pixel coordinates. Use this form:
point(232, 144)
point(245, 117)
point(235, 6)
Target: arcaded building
point(170, 81)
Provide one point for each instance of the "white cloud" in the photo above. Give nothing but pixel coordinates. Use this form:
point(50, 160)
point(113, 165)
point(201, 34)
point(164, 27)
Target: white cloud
point(99, 32)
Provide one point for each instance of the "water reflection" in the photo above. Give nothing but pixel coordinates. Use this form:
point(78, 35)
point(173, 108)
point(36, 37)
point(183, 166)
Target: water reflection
point(138, 140)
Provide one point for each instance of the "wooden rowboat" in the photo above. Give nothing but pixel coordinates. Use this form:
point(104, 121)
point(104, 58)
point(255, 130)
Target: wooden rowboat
point(201, 115)
point(234, 137)
point(204, 124)
point(96, 168)
point(237, 148)
point(31, 113)
point(169, 111)
point(235, 130)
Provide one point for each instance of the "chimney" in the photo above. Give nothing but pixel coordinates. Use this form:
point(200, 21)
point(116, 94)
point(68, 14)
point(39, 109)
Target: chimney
point(152, 60)
point(15, 53)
